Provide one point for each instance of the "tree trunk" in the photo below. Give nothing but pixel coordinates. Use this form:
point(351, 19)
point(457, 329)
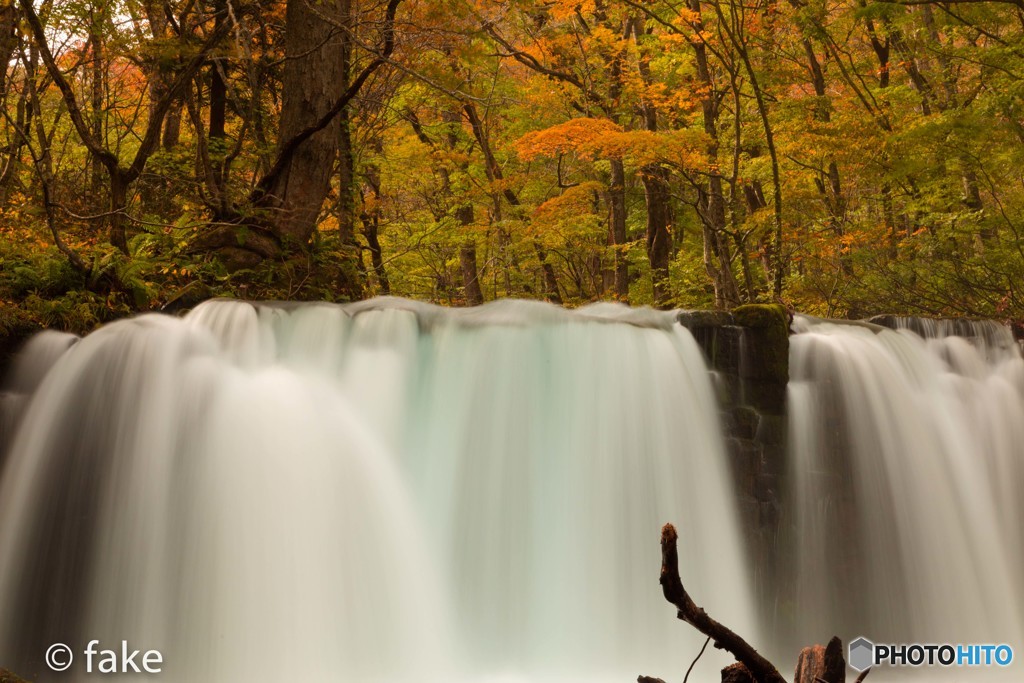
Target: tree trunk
point(217, 134)
point(656, 193)
point(659, 241)
point(470, 279)
point(313, 82)
point(711, 197)
point(116, 220)
point(346, 154)
point(371, 224)
point(96, 170)
point(494, 174)
point(172, 127)
point(617, 229)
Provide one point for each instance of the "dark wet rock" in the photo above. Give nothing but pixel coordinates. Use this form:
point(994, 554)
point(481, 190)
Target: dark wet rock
point(695, 320)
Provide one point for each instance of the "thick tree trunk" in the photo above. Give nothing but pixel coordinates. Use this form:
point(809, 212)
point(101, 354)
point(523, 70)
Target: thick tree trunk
point(659, 241)
point(313, 82)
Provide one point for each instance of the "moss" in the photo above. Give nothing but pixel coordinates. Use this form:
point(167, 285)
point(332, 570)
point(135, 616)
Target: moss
point(761, 315)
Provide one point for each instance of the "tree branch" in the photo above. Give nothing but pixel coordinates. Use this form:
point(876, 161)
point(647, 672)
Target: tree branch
point(672, 587)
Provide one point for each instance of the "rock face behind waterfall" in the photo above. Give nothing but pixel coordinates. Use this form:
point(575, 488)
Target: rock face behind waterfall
point(748, 352)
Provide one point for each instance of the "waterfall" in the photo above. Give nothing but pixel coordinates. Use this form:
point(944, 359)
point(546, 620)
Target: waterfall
point(905, 454)
point(379, 491)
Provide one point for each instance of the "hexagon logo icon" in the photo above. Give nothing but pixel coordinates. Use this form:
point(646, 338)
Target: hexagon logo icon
point(861, 653)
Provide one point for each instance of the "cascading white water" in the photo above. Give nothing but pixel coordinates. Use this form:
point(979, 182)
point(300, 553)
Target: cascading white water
point(383, 491)
point(907, 471)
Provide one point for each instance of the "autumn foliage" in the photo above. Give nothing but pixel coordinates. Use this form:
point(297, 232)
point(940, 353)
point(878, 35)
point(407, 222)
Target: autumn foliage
point(846, 157)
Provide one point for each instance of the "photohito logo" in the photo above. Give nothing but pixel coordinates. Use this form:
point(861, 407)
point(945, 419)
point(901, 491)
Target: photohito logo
point(862, 654)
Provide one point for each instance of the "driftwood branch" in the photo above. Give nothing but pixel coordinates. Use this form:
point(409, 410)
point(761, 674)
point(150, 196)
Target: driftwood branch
point(760, 668)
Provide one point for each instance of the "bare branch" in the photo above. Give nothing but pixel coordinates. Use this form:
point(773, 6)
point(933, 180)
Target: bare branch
point(672, 587)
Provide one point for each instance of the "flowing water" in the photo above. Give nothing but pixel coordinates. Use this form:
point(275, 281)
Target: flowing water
point(906, 471)
point(381, 491)
point(390, 491)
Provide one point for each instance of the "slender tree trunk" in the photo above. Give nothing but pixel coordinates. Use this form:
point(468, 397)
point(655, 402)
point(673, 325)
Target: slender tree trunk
point(830, 187)
point(775, 256)
point(346, 182)
point(217, 132)
point(711, 198)
point(97, 97)
point(172, 127)
point(494, 174)
point(655, 180)
point(117, 220)
point(346, 153)
point(617, 228)
point(371, 227)
point(470, 278)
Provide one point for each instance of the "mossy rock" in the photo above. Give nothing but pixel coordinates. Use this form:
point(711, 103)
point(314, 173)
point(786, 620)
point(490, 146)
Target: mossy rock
point(761, 315)
point(766, 351)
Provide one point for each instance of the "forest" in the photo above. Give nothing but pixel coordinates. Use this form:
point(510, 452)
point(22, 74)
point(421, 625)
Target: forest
point(844, 157)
